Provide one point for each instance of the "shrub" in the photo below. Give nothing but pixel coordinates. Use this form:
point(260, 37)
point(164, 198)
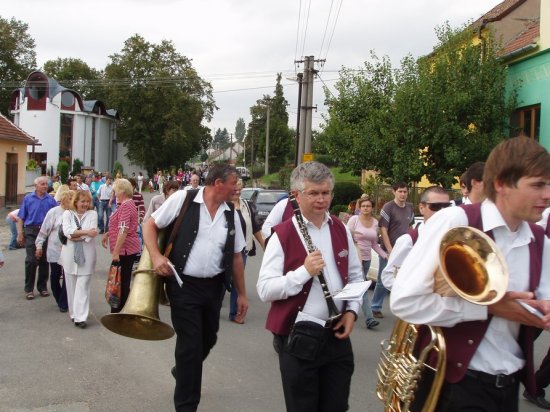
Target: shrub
point(77, 166)
point(327, 160)
point(284, 176)
point(32, 164)
point(345, 192)
point(63, 170)
point(336, 209)
point(118, 169)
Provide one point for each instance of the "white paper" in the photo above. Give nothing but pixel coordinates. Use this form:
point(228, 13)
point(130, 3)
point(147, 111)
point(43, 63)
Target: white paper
point(175, 272)
point(353, 291)
point(304, 316)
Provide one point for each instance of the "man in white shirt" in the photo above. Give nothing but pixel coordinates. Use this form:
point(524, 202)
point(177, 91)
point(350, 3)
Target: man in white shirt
point(483, 373)
point(432, 199)
point(104, 210)
point(474, 183)
point(80, 185)
point(193, 182)
point(289, 280)
point(206, 254)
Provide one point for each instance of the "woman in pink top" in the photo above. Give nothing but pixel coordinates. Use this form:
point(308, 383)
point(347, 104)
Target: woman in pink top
point(122, 237)
point(364, 228)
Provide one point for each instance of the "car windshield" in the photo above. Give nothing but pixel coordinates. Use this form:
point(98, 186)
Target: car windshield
point(246, 194)
point(269, 197)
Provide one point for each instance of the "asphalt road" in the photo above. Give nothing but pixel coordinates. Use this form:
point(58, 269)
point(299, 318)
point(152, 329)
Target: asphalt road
point(46, 364)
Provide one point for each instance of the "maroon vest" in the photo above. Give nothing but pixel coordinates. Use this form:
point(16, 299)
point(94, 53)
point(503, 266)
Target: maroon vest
point(288, 212)
point(548, 227)
point(282, 314)
point(463, 339)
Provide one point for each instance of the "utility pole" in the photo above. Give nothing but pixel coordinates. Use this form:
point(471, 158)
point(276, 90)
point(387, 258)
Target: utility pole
point(299, 76)
point(306, 106)
point(266, 171)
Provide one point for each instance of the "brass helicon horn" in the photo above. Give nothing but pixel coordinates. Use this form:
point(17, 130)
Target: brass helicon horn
point(470, 266)
point(139, 318)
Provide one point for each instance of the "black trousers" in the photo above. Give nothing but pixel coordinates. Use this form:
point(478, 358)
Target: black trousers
point(195, 310)
point(126, 264)
point(31, 263)
point(322, 384)
point(543, 374)
point(472, 395)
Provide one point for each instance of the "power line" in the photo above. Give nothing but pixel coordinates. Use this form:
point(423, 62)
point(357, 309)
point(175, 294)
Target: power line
point(306, 26)
point(326, 28)
point(333, 29)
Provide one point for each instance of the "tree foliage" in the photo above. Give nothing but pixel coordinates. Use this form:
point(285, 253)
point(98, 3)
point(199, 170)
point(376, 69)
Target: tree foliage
point(75, 74)
point(17, 57)
point(434, 116)
point(221, 139)
point(240, 129)
point(162, 103)
point(280, 136)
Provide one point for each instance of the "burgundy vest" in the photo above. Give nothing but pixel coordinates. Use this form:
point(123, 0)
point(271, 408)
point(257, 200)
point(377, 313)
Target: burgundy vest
point(548, 227)
point(463, 339)
point(288, 212)
point(283, 312)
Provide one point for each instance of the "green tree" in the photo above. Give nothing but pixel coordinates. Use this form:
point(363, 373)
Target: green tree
point(281, 149)
point(434, 116)
point(221, 139)
point(77, 75)
point(240, 129)
point(17, 58)
point(162, 102)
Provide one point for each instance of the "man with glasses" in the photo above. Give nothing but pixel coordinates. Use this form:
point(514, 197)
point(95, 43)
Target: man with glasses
point(432, 200)
point(489, 347)
point(395, 218)
point(316, 373)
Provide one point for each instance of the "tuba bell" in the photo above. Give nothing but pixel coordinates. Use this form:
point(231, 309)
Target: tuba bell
point(139, 318)
point(471, 267)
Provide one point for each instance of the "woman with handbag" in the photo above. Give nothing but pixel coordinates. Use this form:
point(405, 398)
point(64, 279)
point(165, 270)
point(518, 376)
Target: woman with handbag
point(122, 237)
point(247, 218)
point(364, 228)
point(49, 235)
point(78, 256)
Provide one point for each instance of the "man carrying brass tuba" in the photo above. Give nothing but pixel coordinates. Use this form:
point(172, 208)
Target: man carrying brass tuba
point(206, 255)
point(489, 348)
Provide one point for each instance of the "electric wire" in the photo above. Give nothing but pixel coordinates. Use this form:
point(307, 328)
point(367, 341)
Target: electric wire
point(297, 39)
point(305, 28)
point(326, 29)
point(333, 29)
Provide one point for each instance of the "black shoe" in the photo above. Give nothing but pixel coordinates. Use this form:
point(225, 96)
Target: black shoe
point(63, 310)
point(173, 371)
point(538, 400)
point(81, 325)
point(371, 323)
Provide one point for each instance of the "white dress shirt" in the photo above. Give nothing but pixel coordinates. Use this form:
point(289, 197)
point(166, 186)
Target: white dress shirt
point(274, 285)
point(205, 258)
point(275, 217)
point(413, 300)
point(399, 252)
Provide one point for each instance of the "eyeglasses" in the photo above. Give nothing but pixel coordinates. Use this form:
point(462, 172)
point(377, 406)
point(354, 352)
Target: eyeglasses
point(434, 207)
point(313, 195)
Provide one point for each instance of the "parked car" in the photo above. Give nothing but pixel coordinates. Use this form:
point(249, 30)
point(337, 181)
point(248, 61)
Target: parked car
point(247, 192)
point(264, 200)
point(243, 172)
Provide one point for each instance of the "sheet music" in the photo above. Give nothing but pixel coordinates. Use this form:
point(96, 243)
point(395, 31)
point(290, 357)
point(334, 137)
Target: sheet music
point(353, 291)
point(175, 272)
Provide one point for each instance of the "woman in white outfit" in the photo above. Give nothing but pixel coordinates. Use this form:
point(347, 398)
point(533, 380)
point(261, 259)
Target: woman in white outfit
point(78, 256)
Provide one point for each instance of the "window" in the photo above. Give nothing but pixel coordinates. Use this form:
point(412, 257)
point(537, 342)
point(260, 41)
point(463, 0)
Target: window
point(66, 138)
point(526, 121)
point(67, 101)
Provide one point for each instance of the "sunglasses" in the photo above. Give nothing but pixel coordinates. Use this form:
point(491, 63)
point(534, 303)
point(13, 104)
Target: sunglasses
point(434, 207)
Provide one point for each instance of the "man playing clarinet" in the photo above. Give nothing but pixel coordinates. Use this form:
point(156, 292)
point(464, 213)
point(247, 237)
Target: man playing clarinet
point(307, 259)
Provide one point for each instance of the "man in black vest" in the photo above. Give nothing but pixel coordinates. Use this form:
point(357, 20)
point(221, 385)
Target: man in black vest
point(206, 255)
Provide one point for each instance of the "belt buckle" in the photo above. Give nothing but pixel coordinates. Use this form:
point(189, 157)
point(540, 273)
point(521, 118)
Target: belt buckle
point(500, 381)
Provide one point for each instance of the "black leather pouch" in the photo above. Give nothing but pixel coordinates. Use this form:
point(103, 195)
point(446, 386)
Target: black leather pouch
point(305, 340)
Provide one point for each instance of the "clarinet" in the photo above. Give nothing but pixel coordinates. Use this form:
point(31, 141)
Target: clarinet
point(333, 311)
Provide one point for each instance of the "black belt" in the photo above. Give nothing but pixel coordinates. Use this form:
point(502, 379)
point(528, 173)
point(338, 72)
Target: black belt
point(498, 381)
point(32, 226)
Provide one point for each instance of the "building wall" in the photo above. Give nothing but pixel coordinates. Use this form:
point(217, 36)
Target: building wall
point(534, 74)
point(20, 149)
point(514, 23)
point(45, 126)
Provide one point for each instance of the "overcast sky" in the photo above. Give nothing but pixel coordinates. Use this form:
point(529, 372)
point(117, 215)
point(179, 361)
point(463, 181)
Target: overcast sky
point(240, 45)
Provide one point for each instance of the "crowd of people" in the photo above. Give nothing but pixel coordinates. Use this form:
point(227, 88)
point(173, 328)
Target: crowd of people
point(308, 257)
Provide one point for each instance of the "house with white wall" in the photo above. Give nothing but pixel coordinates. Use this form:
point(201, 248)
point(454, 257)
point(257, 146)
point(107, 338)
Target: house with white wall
point(67, 126)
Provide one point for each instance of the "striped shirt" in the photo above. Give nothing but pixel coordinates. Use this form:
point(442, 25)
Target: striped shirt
point(125, 218)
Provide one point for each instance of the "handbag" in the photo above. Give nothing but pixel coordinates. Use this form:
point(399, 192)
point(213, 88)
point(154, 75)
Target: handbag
point(61, 234)
point(113, 289)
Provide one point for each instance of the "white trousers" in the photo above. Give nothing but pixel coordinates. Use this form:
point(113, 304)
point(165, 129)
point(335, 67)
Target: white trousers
point(78, 296)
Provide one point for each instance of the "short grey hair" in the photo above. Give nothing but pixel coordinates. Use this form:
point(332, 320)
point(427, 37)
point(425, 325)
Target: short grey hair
point(314, 172)
point(40, 179)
